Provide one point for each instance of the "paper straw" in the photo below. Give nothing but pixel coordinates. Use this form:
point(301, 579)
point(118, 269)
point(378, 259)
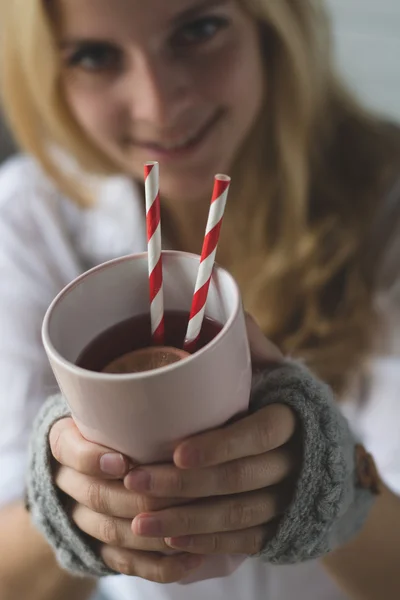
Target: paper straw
point(153, 220)
point(215, 217)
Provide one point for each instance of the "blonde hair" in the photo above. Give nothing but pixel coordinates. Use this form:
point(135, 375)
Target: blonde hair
point(32, 96)
point(313, 166)
point(322, 163)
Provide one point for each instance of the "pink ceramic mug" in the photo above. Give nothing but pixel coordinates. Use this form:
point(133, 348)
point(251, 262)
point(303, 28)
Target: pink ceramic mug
point(144, 415)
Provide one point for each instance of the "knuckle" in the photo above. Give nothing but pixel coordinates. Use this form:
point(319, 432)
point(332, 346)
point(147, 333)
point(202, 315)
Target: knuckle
point(96, 497)
point(222, 450)
point(162, 546)
point(237, 516)
point(154, 504)
point(233, 516)
point(122, 564)
point(161, 570)
point(109, 532)
point(177, 483)
point(214, 543)
point(231, 476)
point(145, 504)
point(186, 522)
point(256, 542)
point(167, 571)
point(264, 434)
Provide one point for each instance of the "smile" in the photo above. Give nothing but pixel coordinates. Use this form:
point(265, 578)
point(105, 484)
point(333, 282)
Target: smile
point(185, 144)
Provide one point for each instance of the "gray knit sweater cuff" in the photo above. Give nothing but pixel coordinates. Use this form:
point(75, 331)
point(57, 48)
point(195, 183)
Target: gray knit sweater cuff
point(329, 506)
point(72, 548)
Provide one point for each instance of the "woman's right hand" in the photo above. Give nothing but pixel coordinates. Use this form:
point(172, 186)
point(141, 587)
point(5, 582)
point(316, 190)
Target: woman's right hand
point(92, 477)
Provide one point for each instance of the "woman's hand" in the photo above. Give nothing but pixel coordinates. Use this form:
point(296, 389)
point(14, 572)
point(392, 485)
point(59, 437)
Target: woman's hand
point(99, 504)
point(238, 480)
point(225, 490)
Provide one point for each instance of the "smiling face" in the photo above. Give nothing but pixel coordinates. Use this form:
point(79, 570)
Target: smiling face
point(180, 82)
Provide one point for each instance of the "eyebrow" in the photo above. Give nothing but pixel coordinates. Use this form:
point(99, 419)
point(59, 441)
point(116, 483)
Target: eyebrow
point(73, 43)
point(182, 18)
point(193, 11)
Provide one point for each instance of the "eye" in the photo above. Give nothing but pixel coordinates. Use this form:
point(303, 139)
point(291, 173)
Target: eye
point(199, 32)
point(96, 57)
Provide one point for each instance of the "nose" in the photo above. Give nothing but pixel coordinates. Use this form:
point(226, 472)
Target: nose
point(158, 92)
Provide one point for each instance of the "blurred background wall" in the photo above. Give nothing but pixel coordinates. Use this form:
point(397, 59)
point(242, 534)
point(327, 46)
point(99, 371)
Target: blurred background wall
point(367, 36)
point(367, 45)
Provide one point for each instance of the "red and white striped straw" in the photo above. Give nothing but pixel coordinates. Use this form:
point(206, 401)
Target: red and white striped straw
point(153, 219)
point(215, 217)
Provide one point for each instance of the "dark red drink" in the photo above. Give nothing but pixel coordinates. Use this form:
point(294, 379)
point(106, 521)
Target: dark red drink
point(135, 334)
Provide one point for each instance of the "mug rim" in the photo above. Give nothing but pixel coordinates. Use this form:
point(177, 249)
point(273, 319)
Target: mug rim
point(55, 356)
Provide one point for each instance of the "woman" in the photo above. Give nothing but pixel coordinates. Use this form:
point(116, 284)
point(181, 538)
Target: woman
point(93, 89)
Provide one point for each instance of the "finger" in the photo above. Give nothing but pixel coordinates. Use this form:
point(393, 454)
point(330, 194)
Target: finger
point(244, 475)
point(250, 541)
point(114, 531)
point(265, 430)
point(71, 449)
point(263, 351)
point(153, 567)
point(108, 497)
point(232, 513)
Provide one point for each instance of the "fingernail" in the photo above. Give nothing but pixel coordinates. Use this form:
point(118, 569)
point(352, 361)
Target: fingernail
point(191, 562)
point(113, 464)
point(189, 457)
point(148, 526)
point(138, 480)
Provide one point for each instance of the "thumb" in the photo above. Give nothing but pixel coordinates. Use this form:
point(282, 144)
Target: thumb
point(262, 349)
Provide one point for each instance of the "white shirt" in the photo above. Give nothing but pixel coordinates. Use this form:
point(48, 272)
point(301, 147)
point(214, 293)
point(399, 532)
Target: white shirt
point(45, 242)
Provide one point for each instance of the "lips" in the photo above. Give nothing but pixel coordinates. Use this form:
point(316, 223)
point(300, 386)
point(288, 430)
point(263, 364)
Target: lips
point(181, 144)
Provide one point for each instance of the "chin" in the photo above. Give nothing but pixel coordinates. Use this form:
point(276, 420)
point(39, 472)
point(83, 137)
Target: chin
point(177, 195)
point(187, 190)
point(193, 183)
point(180, 183)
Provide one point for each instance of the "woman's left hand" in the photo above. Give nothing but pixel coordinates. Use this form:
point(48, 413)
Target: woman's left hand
point(238, 481)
